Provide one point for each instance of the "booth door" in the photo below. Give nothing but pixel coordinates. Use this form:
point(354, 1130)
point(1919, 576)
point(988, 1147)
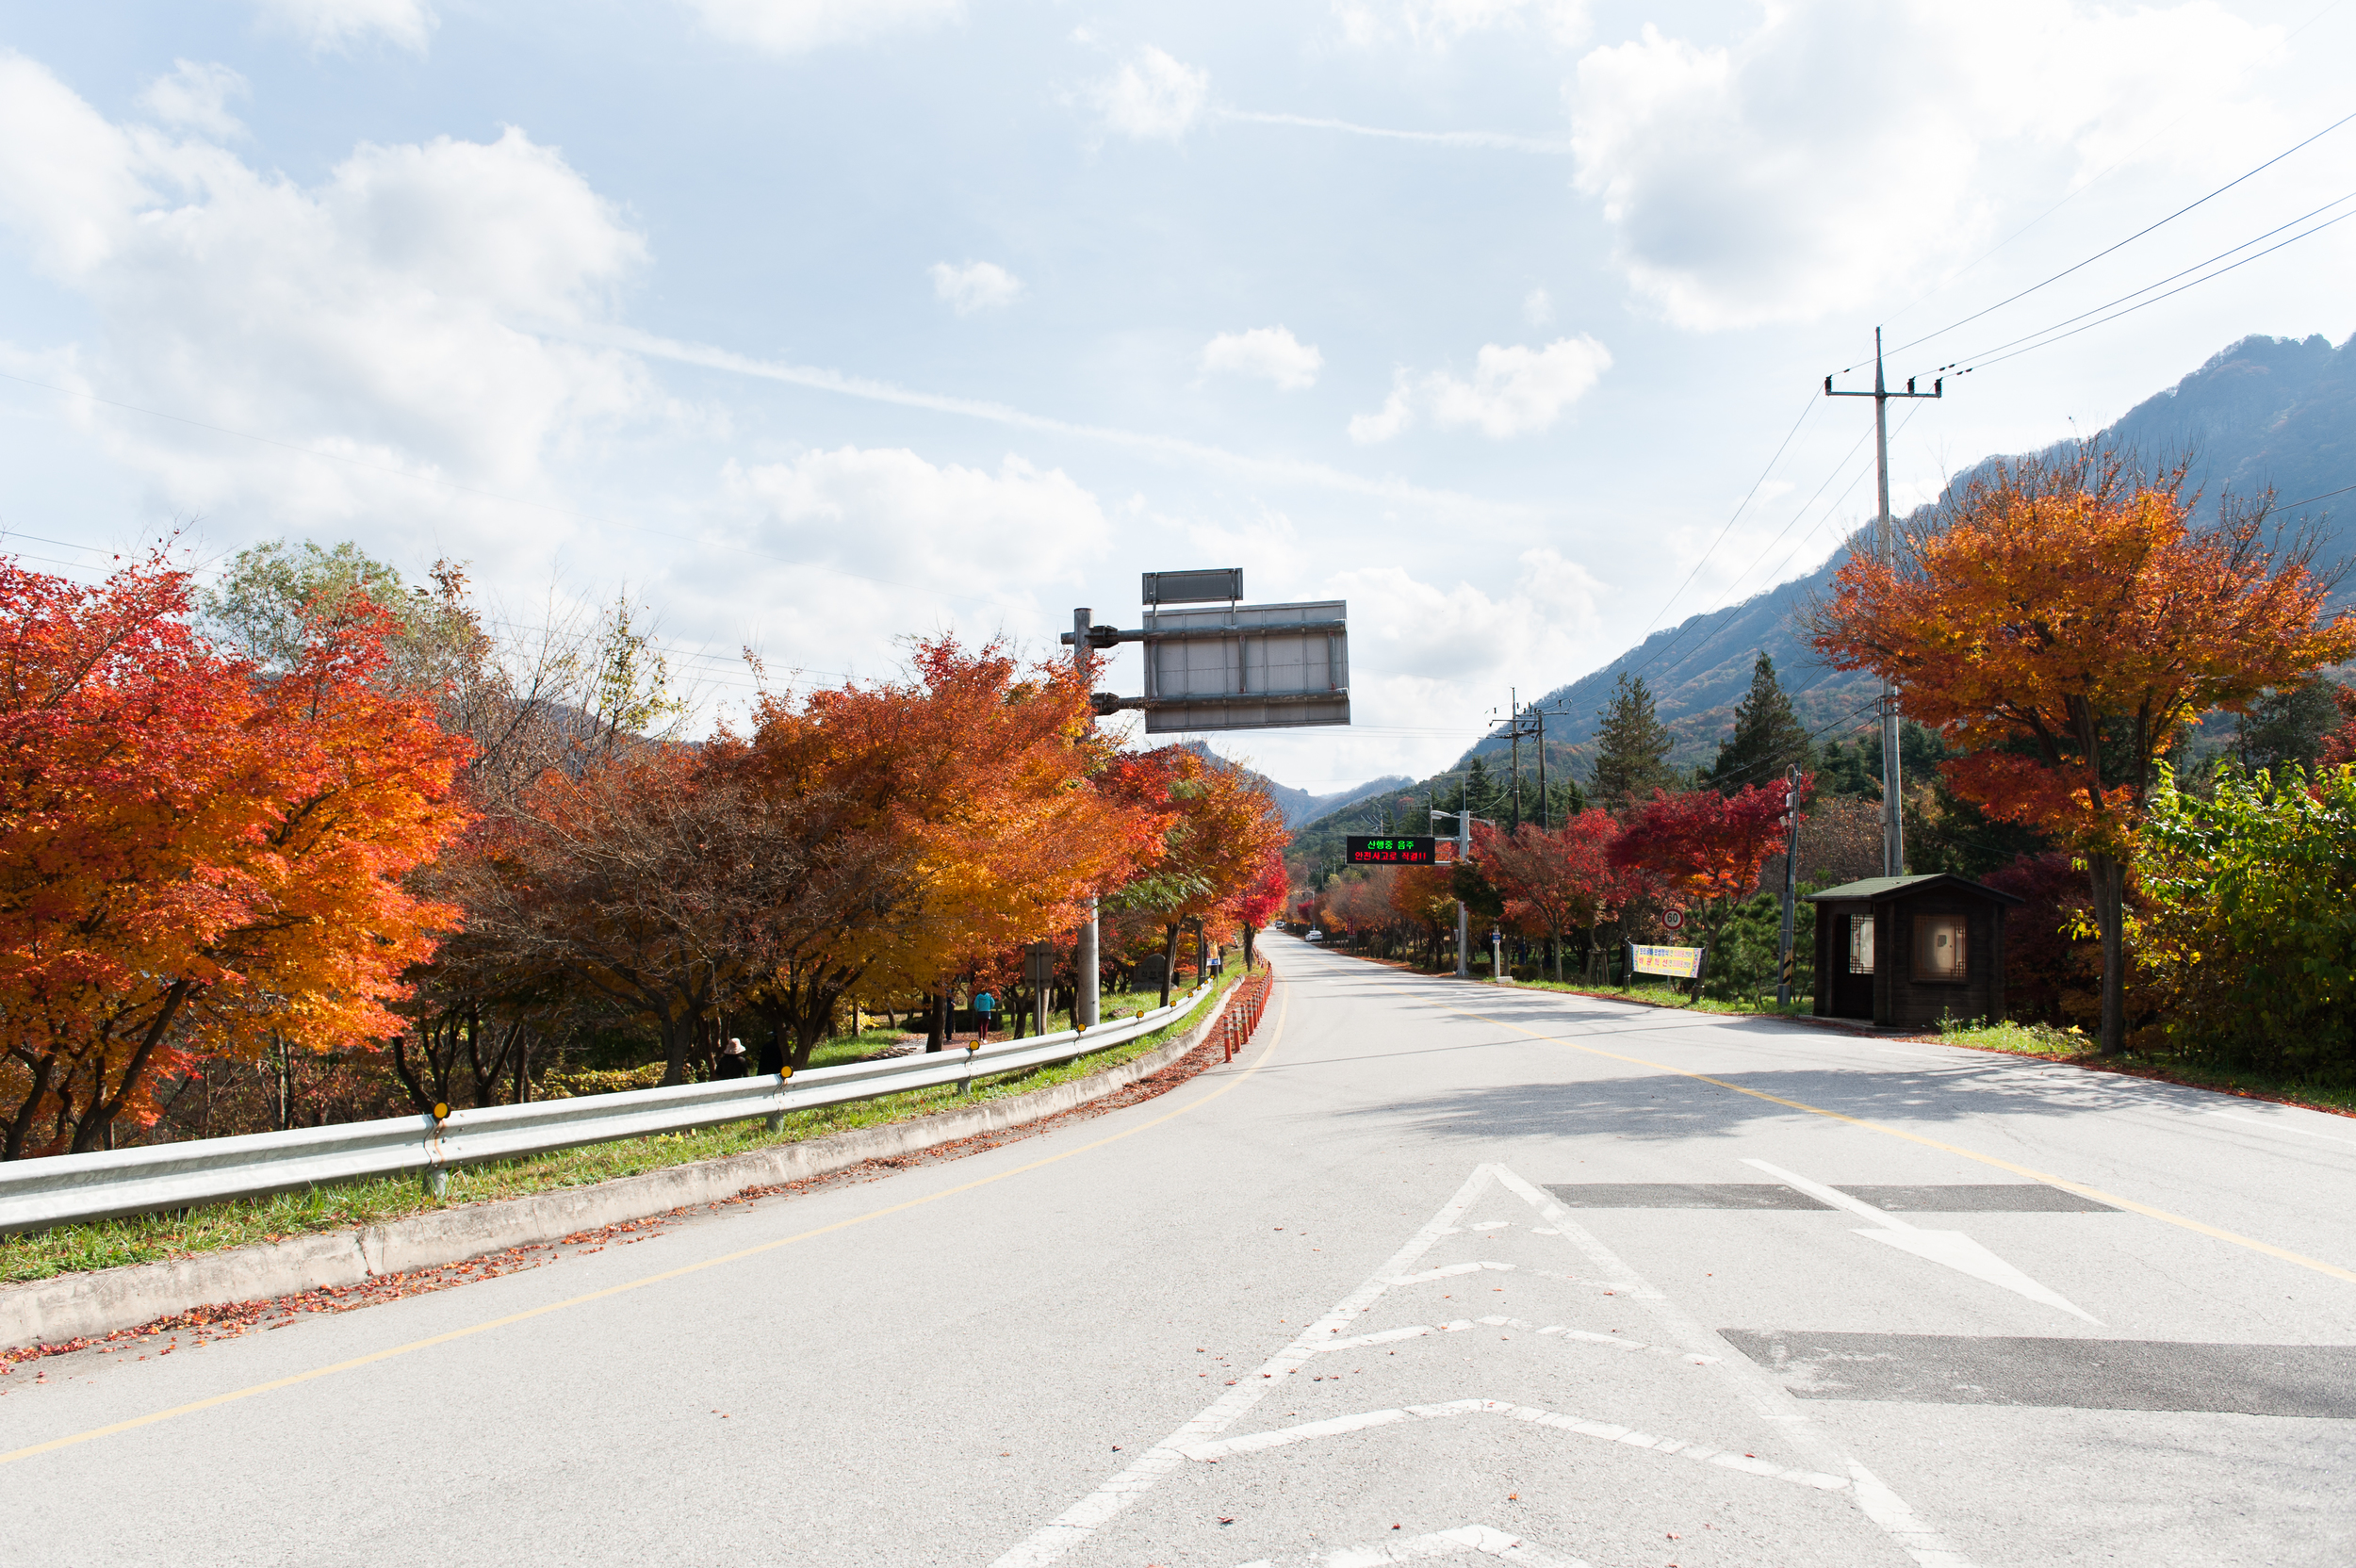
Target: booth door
point(1852, 959)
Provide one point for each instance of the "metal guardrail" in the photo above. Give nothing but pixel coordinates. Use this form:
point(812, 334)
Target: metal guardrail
point(63, 1189)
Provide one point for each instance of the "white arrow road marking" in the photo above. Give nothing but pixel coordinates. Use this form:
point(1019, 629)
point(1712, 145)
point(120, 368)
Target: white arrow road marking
point(1455, 1543)
point(1082, 1520)
point(1952, 1248)
point(1584, 1336)
point(1609, 1431)
point(1449, 1273)
point(1763, 1393)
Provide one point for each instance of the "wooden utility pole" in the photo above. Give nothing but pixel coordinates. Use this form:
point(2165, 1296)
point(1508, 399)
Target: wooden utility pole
point(1894, 826)
point(1790, 877)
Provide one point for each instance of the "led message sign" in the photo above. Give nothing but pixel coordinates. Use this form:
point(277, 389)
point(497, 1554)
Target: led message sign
point(1391, 851)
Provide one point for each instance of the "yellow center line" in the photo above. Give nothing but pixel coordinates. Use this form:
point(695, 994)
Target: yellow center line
point(2065, 1184)
point(1276, 1034)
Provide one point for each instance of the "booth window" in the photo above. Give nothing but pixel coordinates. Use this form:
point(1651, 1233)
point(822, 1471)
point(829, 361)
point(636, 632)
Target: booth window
point(1938, 947)
point(1860, 944)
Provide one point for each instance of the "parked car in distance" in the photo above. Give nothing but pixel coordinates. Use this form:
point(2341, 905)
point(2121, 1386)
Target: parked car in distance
point(1315, 935)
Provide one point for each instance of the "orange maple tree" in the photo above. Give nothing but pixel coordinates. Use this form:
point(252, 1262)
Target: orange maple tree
point(195, 855)
point(1218, 833)
point(2063, 622)
point(971, 794)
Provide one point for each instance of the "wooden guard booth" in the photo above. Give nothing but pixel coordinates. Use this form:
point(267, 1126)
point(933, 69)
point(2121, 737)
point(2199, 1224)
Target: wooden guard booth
point(1908, 951)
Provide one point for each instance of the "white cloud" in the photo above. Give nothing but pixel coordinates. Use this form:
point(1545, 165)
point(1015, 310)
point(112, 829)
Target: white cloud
point(899, 534)
point(1518, 389)
point(1512, 391)
point(1538, 308)
point(1835, 149)
point(1271, 354)
point(369, 316)
point(1151, 96)
point(794, 26)
point(1435, 24)
point(340, 23)
point(1396, 413)
point(892, 510)
point(197, 96)
point(975, 285)
point(1422, 655)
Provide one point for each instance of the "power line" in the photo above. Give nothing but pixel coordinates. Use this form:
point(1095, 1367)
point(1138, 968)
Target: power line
point(1799, 517)
point(2058, 335)
point(2304, 501)
point(2085, 186)
point(2173, 277)
point(1680, 633)
point(2107, 250)
point(1806, 410)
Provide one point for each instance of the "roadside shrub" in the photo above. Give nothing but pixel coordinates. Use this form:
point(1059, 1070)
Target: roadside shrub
point(2246, 937)
point(572, 1086)
point(2053, 975)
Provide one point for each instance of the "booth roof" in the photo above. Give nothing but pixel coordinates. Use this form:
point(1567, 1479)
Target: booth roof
point(1875, 888)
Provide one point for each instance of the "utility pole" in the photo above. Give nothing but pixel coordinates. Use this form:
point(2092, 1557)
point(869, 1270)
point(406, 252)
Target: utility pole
point(1084, 979)
point(1791, 876)
point(1541, 768)
point(1893, 829)
point(1514, 727)
point(1464, 851)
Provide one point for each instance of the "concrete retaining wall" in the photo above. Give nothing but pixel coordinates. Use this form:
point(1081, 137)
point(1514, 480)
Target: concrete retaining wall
point(99, 1301)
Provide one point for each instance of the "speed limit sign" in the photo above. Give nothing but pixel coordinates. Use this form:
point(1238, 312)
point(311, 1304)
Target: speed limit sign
point(1672, 917)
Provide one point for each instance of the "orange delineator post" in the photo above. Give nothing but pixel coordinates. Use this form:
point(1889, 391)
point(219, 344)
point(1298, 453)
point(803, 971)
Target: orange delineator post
point(1242, 1016)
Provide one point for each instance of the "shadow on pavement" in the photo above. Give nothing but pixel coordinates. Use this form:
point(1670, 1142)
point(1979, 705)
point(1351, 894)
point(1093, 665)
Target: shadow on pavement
point(1662, 1106)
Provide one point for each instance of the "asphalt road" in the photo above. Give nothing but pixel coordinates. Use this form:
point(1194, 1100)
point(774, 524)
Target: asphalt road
point(1435, 1271)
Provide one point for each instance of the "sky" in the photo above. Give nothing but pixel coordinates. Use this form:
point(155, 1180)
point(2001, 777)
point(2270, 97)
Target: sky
point(816, 325)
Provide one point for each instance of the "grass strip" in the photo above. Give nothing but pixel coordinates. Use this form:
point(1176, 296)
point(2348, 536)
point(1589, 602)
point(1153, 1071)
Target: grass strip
point(2067, 1046)
point(1662, 995)
point(2071, 1048)
point(152, 1239)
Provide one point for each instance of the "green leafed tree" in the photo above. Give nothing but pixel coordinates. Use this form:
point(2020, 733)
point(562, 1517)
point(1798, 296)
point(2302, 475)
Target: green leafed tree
point(2287, 724)
point(1631, 748)
point(1768, 737)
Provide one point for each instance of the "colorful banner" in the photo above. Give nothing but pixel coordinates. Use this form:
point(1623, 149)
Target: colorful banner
point(1683, 963)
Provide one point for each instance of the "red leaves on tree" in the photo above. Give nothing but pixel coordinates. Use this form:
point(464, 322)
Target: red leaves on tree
point(195, 855)
point(1562, 879)
point(1706, 846)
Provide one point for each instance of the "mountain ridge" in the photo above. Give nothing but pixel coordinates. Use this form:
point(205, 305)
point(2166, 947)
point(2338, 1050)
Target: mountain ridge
point(2262, 412)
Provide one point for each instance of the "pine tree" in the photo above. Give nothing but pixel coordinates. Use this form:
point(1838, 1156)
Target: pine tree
point(1481, 790)
point(1631, 747)
point(1768, 737)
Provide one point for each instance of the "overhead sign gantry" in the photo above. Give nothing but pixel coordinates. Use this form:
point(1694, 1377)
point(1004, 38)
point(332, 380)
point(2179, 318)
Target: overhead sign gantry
point(1218, 664)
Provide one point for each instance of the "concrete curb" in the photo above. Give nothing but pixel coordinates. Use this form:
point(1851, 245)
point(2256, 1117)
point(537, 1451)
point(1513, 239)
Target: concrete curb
point(99, 1301)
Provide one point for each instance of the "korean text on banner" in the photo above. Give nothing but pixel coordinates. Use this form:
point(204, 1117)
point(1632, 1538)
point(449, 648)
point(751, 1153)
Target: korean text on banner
point(1684, 963)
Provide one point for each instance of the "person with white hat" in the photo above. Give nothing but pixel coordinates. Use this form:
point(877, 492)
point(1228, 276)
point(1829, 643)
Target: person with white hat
point(731, 1062)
